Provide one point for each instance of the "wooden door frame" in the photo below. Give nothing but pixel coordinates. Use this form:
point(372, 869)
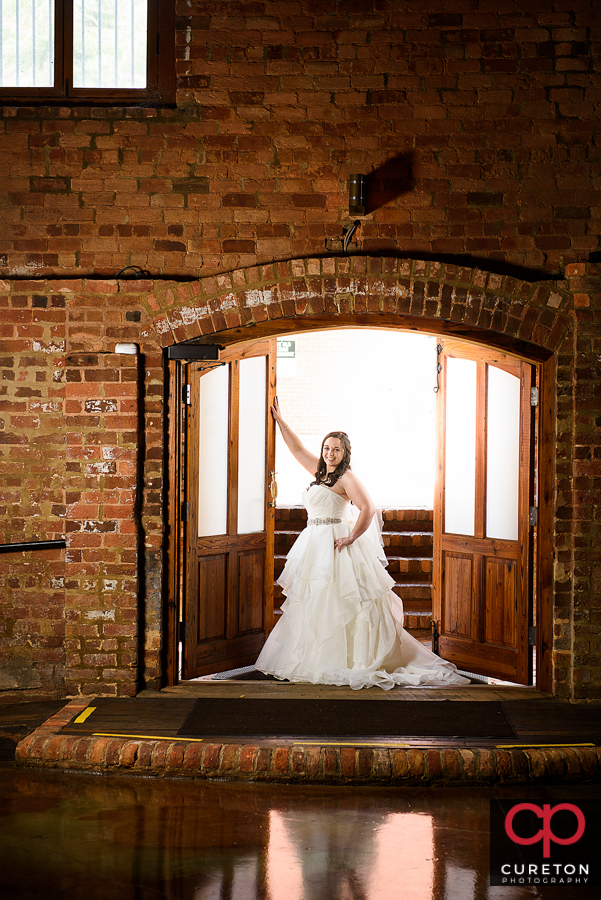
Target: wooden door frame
point(175, 546)
point(172, 543)
point(545, 470)
point(231, 545)
point(473, 652)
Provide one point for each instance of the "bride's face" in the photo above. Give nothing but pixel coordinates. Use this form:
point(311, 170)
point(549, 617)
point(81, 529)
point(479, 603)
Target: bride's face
point(333, 452)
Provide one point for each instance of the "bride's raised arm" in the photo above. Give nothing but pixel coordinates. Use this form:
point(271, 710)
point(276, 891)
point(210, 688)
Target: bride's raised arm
point(307, 459)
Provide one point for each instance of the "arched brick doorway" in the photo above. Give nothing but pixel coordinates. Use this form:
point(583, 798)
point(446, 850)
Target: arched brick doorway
point(523, 318)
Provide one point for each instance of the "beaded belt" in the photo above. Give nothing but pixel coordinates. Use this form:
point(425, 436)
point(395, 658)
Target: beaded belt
point(324, 521)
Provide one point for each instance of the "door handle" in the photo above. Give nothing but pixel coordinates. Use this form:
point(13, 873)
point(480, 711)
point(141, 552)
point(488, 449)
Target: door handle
point(273, 488)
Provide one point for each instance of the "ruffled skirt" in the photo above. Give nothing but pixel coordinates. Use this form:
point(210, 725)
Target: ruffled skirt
point(342, 623)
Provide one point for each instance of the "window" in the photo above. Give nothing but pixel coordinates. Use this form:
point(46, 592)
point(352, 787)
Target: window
point(87, 51)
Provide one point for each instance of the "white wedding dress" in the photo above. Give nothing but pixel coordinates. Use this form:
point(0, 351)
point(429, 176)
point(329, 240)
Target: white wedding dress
point(341, 622)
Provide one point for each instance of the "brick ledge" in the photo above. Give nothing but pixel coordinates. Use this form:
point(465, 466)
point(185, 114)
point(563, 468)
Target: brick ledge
point(47, 748)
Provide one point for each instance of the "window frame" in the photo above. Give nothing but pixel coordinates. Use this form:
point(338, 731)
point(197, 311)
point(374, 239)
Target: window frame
point(160, 85)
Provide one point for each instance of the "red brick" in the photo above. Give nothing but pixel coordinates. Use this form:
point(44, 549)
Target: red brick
point(144, 755)
point(504, 765)
point(262, 760)
point(520, 766)
point(175, 756)
point(537, 764)
point(210, 759)
point(297, 762)
point(281, 761)
point(434, 764)
point(364, 762)
point(112, 752)
point(347, 762)
point(247, 756)
point(229, 758)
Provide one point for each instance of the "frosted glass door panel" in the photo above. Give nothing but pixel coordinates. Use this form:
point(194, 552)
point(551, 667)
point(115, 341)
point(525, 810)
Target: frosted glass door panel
point(460, 456)
point(503, 455)
point(213, 452)
point(251, 454)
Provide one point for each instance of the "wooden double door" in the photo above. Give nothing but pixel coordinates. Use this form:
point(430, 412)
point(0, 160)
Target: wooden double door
point(229, 482)
point(484, 511)
point(223, 477)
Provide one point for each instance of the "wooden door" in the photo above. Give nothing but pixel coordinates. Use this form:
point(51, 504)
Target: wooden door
point(482, 587)
point(230, 528)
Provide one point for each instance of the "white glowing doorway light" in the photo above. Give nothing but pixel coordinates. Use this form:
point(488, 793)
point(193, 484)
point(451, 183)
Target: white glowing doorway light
point(378, 387)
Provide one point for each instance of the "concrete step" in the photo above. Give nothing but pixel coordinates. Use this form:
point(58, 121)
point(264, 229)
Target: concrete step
point(284, 541)
point(419, 568)
point(407, 519)
point(413, 621)
point(290, 518)
point(408, 543)
point(414, 592)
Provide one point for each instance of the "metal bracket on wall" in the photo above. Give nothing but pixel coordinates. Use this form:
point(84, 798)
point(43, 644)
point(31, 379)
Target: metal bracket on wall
point(193, 352)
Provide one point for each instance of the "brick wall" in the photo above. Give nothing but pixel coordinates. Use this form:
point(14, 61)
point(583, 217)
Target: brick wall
point(579, 488)
point(81, 446)
point(476, 123)
point(114, 423)
point(32, 487)
point(477, 126)
point(94, 461)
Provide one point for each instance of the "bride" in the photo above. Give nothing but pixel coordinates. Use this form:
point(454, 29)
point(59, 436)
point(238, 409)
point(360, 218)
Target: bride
point(342, 623)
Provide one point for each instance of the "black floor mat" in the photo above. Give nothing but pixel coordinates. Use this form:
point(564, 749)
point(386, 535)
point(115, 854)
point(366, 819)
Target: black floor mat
point(349, 718)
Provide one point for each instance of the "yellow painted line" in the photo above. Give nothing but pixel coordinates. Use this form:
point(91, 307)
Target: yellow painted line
point(148, 737)
point(510, 746)
point(346, 744)
point(84, 715)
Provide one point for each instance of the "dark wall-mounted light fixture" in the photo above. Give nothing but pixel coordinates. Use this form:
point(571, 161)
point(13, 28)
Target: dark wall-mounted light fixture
point(356, 195)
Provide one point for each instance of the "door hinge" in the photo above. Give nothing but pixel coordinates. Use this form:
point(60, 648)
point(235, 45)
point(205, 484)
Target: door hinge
point(187, 394)
point(181, 635)
point(534, 396)
point(532, 635)
point(185, 511)
point(438, 368)
point(532, 515)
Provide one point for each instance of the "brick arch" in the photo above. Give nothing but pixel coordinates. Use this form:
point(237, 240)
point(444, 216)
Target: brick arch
point(499, 310)
point(530, 319)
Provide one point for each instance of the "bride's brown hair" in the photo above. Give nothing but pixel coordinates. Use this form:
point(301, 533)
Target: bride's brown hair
point(321, 476)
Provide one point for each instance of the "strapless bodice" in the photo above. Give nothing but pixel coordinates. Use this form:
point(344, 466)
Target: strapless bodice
point(321, 502)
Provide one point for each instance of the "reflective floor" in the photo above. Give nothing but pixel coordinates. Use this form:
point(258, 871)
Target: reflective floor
point(93, 837)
